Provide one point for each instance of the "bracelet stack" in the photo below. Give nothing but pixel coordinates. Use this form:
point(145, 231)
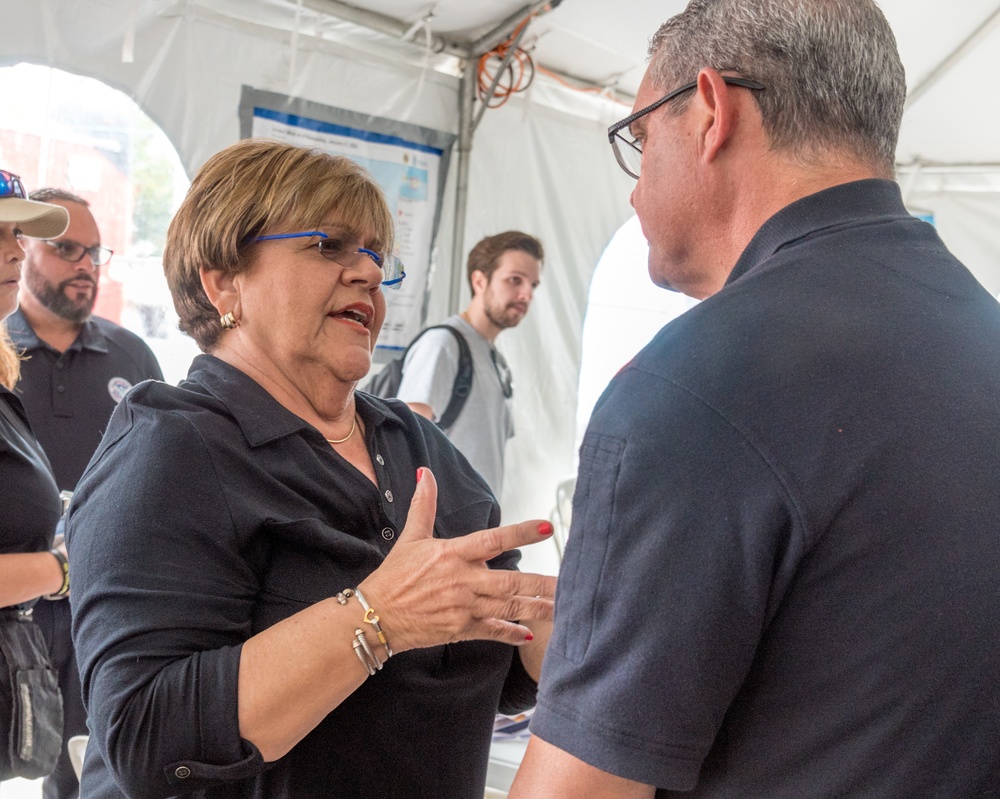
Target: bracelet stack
point(362, 648)
point(64, 565)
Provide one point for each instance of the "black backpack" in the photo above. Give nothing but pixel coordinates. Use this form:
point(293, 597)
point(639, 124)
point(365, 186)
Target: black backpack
point(386, 383)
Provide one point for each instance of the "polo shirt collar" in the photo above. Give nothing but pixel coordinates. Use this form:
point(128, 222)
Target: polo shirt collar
point(24, 337)
point(261, 418)
point(846, 204)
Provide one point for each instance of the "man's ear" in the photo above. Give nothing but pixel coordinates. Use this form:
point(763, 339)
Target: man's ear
point(479, 282)
point(221, 289)
point(720, 113)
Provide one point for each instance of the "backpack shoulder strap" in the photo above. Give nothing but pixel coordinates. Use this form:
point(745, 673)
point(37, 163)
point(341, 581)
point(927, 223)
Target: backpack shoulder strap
point(463, 381)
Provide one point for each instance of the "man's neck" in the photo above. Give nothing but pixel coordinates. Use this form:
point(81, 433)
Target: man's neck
point(55, 331)
point(479, 322)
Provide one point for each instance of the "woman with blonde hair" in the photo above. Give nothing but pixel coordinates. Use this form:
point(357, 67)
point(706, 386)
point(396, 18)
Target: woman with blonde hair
point(284, 587)
point(30, 735)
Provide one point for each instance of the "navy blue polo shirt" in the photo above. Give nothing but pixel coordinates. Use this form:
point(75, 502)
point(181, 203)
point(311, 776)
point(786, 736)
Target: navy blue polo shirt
point(783, 573)
point(69, 396)
point(211, 512)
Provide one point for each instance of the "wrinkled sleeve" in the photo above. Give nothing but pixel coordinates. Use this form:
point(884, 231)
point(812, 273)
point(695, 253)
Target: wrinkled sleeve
point(669, 576)
point(429, 371)
point(162, 601)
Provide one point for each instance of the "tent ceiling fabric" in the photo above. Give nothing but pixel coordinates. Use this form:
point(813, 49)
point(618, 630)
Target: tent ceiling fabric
point(604, 44)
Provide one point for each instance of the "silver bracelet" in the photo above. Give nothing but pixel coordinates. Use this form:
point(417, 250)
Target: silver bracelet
point(360, 643)
point(344, 595)
point(371, 617)
point(364, 652)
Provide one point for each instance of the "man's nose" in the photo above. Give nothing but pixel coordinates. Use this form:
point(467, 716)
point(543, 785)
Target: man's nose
point(86, 264)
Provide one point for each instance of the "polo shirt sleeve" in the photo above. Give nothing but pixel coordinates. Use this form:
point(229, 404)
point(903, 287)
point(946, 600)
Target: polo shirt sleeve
point(429, 371)
point(669, 578)
point(162, 601)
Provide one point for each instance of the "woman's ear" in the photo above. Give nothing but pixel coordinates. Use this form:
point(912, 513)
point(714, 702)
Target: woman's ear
point(222, 290)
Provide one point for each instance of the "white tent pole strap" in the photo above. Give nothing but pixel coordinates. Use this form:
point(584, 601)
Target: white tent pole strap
point(294, 47)
point(467, 93)
point(128, 42)
point(956, 55)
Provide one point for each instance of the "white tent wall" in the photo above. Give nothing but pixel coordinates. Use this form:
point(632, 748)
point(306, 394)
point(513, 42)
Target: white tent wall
point(190, 64)
point(545, 171)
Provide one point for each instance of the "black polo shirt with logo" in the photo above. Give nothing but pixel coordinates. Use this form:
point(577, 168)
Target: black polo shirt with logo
point(69, 396)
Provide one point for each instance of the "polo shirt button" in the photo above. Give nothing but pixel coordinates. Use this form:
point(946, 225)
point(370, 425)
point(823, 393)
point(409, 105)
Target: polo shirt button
point(388, 496)
point(59, 364)
point(182, 772)
point(378, 457)
point(388, 533)
point(61, 389)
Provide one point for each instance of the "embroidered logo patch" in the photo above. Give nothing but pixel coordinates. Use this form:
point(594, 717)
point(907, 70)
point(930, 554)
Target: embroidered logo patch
point(118, 387)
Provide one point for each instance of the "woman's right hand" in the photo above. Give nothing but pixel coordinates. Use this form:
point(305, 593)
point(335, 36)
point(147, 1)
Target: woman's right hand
point(432, 591)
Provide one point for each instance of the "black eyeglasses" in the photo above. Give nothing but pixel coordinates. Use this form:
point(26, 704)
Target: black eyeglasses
point(628, 152)
point(73, 252)
point(503, 373)
point(11, 185)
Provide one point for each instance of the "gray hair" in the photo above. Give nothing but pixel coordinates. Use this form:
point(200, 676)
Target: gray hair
point(831, 69)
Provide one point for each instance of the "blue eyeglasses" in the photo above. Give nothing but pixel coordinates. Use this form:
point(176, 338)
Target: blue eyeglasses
point(11, 185)
point(348, 255)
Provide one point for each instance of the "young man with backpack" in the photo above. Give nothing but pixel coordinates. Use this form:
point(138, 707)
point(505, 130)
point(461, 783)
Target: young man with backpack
point(503, 273)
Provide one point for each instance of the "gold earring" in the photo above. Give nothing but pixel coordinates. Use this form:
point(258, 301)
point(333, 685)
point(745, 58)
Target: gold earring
point(229, 321)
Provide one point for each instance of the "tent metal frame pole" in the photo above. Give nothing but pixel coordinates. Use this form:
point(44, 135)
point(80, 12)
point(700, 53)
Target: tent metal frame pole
point(467, 95)
point(956, 55)
point(468, 121)
point(508, 57)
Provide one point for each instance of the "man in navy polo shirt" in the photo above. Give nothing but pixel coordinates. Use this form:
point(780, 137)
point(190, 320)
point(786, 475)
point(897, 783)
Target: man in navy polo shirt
point(783, 574)
point(78, 368)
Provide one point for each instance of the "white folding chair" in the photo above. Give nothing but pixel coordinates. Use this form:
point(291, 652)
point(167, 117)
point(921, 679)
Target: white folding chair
point(77, 746)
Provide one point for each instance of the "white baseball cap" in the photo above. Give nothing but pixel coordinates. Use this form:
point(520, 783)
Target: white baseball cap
point(38, 220)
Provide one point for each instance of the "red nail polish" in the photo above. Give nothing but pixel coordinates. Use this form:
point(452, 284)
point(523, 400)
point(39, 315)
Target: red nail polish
point(545, 528)
point(529, 637)
point(420, 473)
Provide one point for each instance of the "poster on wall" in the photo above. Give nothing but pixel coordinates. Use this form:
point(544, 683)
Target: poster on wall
point(409, 162)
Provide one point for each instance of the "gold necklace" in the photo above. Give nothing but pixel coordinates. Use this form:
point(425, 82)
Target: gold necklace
point(342, 440)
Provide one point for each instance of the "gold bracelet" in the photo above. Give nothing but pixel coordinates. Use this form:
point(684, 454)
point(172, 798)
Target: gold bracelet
point(371, 617)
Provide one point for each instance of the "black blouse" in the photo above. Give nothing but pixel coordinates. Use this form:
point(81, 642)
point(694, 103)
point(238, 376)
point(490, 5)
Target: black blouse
point(210, 513)
point(31, 504)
